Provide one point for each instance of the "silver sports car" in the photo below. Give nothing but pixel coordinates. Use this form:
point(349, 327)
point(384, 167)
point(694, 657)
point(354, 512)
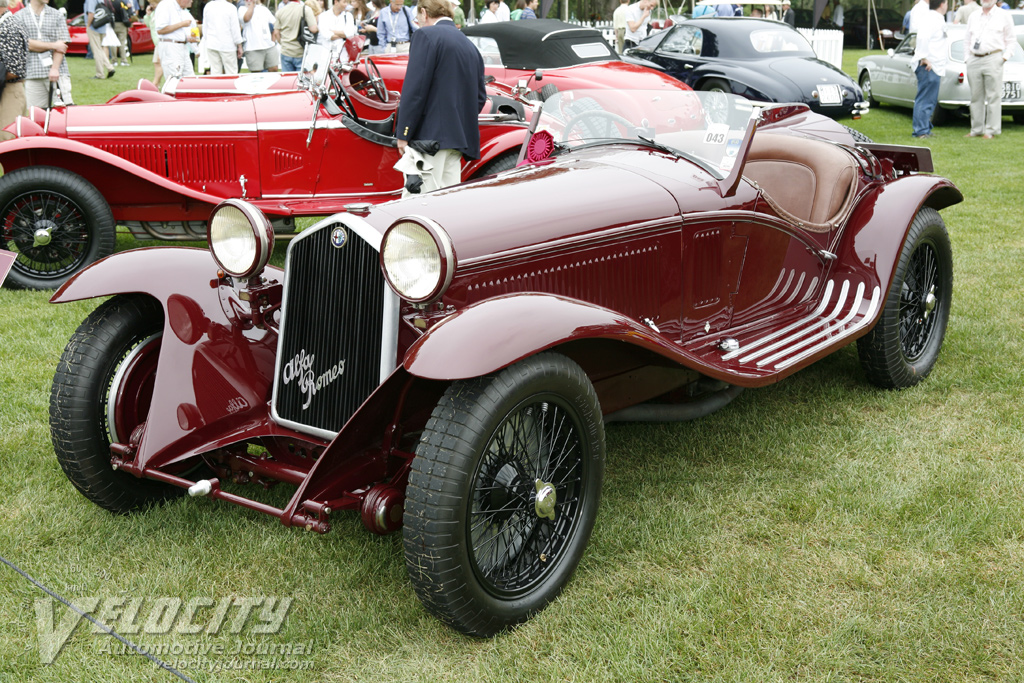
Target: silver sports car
point(890, 79)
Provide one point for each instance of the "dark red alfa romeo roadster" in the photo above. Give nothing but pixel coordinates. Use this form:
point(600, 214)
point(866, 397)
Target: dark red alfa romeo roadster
point(446, 364)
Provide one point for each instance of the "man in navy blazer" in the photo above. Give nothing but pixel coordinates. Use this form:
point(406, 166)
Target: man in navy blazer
point(442, 95)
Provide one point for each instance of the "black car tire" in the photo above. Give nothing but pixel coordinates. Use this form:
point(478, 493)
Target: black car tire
point(903, 346)
point(547, 91)
point(865, 86)
point(80, 224)
point(857, 135)
point(715, 85)
point(502, 162)
point(112, 353)
point(480, 549)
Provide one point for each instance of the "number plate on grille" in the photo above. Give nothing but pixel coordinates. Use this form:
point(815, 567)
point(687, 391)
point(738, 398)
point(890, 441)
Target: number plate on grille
point(1011, 91)
point(830, 94)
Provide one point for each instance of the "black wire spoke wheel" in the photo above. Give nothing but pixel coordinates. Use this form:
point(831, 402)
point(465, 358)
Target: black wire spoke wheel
point(503, 493)
point(918, 302)
point(48, 232)
point(55, 221)
point(526, 496)
point(904, 345)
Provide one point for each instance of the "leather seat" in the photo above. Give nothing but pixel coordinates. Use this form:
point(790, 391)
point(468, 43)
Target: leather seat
point(809, 182)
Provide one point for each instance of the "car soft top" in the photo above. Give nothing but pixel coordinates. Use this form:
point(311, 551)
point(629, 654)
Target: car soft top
point(544, 43)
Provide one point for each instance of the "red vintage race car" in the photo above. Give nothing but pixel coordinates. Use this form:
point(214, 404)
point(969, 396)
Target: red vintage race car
point(139, 38)
point(160, 166)
point(446, 364)
point(547, 54)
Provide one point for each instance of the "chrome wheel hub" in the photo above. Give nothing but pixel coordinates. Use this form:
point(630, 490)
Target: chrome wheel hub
point(42, 236)
point(544, 504)
point(930, 301)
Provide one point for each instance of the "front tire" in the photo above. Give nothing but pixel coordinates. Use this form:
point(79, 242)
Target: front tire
point(101, 392)
point(503, 493)
point(903, 346)
point(55, 221)
point(865, 86)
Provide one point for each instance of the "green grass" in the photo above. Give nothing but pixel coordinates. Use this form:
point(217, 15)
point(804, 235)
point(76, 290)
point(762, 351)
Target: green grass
point(816, 530)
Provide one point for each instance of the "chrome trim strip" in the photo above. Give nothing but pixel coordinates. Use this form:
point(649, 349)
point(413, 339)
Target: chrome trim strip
point(831, 324)
point(208, 127)
point(866, 320)
point(789, 328)
point(385, 193)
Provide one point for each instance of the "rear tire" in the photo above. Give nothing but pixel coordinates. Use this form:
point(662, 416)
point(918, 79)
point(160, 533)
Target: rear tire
point(502, 162)
point(503, 493)
point(101, 392)
point(716, 85)
point(55, 221)
point(904, 345)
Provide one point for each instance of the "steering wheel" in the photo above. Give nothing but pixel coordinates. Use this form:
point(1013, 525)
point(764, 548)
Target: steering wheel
point(376, 82)
point(607, 118)
point(346, 102)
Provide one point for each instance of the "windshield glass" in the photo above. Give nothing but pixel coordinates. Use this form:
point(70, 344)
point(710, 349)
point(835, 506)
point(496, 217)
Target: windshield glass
point(706, 127)
point(316, 60)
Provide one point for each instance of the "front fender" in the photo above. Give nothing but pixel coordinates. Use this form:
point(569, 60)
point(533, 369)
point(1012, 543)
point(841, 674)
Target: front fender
point(214, 375)
point(189, 271)
point(132, 191)
point(493, 334)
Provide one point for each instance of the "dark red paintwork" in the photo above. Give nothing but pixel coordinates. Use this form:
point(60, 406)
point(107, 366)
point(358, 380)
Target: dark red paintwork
point(609, 279)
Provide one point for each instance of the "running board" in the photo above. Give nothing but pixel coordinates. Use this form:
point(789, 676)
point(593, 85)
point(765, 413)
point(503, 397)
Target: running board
point(844, 310)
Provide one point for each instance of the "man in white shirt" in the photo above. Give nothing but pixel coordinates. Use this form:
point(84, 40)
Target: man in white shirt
point(261, 52)
point(335, 25)
point(929, 64)
point(919, 10)
point(174, 26)
point(503, 13)
point(989, 43)
point(223, 37)
point(638, 16)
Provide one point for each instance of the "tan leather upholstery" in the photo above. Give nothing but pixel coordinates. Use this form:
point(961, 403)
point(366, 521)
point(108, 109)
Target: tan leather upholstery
point(811, 180)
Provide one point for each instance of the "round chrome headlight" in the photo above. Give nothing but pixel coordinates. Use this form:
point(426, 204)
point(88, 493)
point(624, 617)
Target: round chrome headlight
point(418, 259)
point(241, 238)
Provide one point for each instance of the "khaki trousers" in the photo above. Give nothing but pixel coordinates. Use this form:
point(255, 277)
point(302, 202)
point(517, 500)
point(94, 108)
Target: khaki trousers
point(121, 30)
point(12, 105)
point(985, 76)
point(99, 53)
point(447, 170)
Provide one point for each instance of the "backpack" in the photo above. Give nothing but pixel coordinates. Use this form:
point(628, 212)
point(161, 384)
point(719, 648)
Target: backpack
point(102, 15)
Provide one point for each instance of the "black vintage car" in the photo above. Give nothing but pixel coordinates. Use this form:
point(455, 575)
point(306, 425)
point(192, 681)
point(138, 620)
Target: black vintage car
point(759, 59)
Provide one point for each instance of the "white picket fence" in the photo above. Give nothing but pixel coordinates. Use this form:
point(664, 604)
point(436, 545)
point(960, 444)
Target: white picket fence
point(827, 44)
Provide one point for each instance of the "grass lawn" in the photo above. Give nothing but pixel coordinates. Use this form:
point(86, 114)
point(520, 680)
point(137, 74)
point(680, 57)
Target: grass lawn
point(816, 530)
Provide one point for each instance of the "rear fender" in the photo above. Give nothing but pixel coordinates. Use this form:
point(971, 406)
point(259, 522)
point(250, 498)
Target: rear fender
point(133, 192)
point(877, 229)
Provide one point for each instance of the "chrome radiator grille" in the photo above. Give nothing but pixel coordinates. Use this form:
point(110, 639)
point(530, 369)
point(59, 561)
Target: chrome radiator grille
point(329, 352)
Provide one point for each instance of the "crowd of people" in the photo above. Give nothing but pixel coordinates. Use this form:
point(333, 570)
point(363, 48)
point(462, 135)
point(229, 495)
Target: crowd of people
point(989, 44)
point(34, 41)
